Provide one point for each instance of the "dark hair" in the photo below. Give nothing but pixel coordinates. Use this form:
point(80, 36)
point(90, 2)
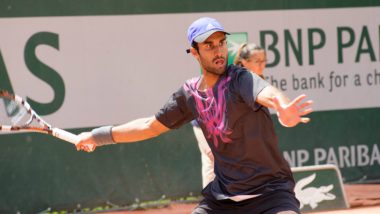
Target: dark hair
point(245, 51)
point(193, 45)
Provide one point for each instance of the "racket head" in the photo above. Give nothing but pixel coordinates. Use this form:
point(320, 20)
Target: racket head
point(16, 114)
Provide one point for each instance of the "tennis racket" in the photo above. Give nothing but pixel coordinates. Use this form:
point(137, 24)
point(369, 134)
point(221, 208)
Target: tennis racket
point(17, 115)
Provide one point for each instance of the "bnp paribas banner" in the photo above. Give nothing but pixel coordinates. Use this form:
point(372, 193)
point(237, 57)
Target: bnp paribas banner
point(86, 71)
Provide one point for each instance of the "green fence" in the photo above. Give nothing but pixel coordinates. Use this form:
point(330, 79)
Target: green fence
point(38, 171)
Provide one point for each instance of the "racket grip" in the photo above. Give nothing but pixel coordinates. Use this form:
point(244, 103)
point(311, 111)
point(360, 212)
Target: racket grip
point(65, 135)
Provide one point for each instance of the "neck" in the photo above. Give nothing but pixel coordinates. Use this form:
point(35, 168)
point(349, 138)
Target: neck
point(208, 80)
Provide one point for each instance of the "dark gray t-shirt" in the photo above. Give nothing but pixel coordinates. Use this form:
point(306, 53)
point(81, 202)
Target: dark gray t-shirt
point(239, 131)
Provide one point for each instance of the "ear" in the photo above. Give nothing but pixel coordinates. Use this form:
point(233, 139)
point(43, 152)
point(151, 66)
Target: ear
point(194, 52)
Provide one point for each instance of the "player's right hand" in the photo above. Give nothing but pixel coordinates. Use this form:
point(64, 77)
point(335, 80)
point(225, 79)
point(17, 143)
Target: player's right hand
point(86, 142)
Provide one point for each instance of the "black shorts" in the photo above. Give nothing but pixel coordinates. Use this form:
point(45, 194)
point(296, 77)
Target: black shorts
point(268, 203)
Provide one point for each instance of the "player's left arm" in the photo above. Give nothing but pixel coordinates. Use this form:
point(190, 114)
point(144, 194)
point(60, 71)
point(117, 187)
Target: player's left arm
point(290, 112)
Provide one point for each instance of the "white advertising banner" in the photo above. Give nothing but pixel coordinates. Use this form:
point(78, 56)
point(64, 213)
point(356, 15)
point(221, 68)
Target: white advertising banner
point(118, 68)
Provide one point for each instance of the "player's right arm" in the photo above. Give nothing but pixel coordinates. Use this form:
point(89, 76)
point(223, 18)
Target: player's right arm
point(136, 130)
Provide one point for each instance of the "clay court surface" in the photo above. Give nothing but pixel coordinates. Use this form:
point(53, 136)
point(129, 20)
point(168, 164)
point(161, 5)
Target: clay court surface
point(363, 199)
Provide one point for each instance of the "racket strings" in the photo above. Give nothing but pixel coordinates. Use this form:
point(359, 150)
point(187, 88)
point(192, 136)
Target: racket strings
point(10, 107)
point(16, 113)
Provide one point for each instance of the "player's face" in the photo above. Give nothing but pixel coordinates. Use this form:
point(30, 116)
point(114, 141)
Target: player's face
point(213, 54)
point(256, 62)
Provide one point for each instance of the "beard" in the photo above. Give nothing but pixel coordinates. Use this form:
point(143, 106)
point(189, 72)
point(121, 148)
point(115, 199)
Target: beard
point(213, 67)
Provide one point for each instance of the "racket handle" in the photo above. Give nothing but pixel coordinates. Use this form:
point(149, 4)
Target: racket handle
point(64, 135)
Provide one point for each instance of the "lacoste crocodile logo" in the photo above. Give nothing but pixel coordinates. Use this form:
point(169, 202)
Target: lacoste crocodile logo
point(312, 195)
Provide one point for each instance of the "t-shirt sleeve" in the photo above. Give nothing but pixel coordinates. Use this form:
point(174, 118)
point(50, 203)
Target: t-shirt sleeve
point(176, 111)
point(250, 85)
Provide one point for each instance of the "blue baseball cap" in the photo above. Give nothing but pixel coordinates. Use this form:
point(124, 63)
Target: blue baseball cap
point(202, 28)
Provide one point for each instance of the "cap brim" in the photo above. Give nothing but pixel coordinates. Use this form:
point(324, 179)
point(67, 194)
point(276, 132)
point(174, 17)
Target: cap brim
point(203, 37)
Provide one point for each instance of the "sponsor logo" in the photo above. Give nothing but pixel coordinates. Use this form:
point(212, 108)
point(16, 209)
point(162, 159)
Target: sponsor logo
point(312, 196)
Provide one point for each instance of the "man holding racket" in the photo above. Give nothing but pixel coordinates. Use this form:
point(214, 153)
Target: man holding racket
point(227, 102)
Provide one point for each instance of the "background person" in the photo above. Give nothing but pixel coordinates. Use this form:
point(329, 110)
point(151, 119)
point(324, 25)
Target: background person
point(207, 158)
point(252, 57)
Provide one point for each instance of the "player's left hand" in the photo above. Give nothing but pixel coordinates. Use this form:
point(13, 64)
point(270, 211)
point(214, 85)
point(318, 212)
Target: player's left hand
point(289, 115)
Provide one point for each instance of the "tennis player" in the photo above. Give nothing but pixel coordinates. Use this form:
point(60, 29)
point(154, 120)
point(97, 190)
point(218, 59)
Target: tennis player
point(251, 176)
point(253, 58)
